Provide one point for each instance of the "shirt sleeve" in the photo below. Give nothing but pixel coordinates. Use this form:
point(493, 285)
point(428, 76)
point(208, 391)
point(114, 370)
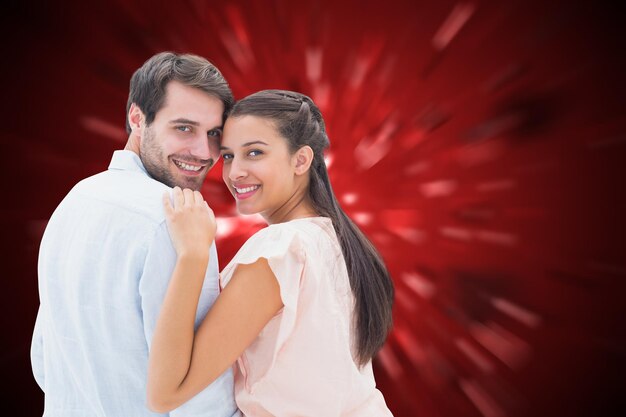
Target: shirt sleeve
point(218, 398)
point(36, 352)
point(282, 246)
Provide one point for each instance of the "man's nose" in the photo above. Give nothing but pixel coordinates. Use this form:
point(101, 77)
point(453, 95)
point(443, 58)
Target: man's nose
point(201, 148)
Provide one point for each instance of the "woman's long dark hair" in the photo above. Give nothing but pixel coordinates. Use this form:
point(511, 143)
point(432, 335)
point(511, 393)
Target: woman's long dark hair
point(299, 121)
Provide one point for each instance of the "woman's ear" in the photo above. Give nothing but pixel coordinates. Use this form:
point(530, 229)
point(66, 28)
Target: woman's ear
point(135, 119)
point(303, 159)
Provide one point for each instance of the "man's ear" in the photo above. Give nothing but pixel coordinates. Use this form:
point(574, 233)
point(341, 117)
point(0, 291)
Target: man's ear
point(135, 119)
point(303, 159)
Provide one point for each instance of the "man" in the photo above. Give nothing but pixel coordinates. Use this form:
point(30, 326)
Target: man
point(106, 257)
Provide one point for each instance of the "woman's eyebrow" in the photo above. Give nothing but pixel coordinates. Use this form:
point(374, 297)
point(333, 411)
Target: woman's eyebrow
point(254, 142)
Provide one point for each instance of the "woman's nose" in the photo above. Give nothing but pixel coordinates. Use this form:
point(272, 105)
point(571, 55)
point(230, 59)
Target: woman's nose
point(236, 169)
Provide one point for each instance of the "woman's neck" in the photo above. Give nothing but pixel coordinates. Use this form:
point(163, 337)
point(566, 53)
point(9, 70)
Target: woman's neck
point(297, 207)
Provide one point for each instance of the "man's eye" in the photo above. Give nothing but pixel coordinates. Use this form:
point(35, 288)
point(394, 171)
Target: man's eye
point(184, 128)
point(214, 133)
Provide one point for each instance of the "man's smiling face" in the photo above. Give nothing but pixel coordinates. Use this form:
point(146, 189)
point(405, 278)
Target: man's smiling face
point(182, 143)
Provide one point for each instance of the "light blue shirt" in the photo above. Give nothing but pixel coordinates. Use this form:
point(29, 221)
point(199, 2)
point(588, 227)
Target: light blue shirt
point(104, 265)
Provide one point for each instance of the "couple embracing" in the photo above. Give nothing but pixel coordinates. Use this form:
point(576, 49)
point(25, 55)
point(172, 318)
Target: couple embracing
point(134, 318)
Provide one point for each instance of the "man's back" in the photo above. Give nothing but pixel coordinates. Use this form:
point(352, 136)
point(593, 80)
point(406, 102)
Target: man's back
point(104, 266)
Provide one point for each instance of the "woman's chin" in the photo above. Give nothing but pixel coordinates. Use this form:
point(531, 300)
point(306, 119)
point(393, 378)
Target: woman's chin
point(246, 211)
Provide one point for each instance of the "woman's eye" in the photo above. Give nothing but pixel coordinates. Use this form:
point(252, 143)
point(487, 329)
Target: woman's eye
point(184, 128)
point(255, 152)
point(227, 156)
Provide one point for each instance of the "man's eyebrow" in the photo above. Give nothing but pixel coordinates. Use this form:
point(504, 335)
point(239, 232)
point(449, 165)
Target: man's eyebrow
point(254, 142)
point(184, 121)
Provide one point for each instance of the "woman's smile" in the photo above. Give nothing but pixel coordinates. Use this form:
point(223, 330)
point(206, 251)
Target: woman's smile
point(243, 191)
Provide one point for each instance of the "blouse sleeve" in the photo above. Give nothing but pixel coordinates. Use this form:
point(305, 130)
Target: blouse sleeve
point(282, 247)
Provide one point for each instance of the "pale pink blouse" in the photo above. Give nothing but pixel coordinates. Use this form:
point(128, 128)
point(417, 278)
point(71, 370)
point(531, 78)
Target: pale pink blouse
point(302, 362)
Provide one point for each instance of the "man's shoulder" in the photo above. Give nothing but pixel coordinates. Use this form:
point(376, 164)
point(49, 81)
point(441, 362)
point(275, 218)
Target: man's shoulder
point(124, 181)
point(125, 190)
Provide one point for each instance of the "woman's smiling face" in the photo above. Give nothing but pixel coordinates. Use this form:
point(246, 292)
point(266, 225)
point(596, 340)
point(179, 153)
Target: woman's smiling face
point(259, 170)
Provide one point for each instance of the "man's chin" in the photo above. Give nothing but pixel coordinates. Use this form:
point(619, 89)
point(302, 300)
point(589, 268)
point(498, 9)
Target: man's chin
point(192, 183)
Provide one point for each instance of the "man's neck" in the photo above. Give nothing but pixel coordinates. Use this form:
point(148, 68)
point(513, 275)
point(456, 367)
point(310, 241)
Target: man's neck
point(132, 144)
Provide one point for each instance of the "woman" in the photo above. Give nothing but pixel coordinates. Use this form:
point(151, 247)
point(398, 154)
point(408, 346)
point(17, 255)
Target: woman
point(306, 302)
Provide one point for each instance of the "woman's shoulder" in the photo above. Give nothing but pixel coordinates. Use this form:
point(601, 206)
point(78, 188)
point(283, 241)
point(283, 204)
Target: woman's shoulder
point(296, 237)
point(273, 234)
point(288, 242)
point(304, 229)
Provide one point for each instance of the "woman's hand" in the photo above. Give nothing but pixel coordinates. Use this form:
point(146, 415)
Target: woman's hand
point(190, 221)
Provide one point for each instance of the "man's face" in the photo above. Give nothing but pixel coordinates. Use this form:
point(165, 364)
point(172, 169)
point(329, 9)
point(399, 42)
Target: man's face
point(182, 143)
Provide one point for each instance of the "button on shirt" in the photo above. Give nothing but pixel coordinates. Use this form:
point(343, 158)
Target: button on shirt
point(105, 262)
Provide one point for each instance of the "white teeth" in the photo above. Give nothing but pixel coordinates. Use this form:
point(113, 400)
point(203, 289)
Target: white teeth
point(246, 190)
point(188, 167)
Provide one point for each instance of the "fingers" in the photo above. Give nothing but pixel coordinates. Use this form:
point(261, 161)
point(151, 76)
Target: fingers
point(183, 198)
point(178, 198)
point(189, 198)
point(198, 199)
point(167, 204)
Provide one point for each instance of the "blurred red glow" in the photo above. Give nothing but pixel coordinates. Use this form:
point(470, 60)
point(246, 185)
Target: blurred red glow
point(480, 145)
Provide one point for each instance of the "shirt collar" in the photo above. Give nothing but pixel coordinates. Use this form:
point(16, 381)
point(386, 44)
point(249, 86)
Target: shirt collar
point(127, 161)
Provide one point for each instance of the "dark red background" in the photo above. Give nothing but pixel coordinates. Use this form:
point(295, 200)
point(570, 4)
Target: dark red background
point(482, 159)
